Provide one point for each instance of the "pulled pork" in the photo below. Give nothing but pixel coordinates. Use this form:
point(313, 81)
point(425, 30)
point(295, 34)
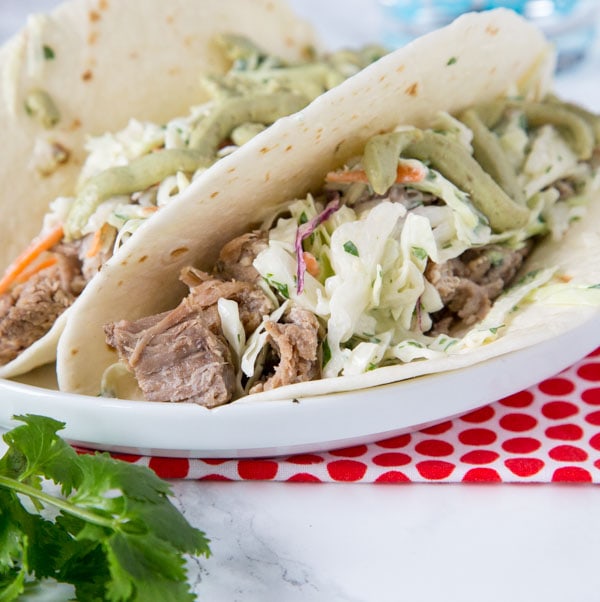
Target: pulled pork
point(176, 356)
point(183, 355)
point(295, 342)
point(469, 284)
point(29, 310)
point(236, 257)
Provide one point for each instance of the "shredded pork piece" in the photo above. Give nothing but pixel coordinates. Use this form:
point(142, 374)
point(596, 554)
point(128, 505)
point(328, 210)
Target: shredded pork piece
point(469, 284)
point(296, 343)
point(29, 310)
point(182, 355)
point(176, 357)
point(236, 257)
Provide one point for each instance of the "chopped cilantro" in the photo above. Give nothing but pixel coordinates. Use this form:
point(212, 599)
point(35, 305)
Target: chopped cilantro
point(49, 54)
point(350, 247)
point(282, 288)
point(452, 60)
point(419, 253)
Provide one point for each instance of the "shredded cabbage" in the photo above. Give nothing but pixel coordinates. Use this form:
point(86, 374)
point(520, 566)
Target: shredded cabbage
point(232, 326)
point(257, 341)
point(550, 159)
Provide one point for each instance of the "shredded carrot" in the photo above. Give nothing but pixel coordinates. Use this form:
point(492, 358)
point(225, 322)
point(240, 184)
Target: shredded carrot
point(312, 265)
point(405, 174)
point(38, 267)
point(96, 244)
point(347, 177)
point(36, 247)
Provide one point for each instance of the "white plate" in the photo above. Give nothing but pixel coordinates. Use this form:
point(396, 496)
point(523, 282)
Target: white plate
point(253, 429)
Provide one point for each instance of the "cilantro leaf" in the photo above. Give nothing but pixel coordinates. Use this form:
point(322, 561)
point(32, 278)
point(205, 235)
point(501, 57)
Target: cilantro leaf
point(116, 535)
point(351, 248)
point(35, 452)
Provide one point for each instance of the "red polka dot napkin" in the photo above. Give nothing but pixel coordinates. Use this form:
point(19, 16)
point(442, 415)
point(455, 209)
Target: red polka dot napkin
point(548, 433)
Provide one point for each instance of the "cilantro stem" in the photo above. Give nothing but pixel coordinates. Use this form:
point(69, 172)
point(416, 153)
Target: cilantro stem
point(62, 504)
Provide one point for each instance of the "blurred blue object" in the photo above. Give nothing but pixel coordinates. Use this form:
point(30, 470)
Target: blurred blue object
point(569, 24)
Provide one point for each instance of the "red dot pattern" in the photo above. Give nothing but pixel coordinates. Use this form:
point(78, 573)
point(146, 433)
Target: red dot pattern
point(547, 433)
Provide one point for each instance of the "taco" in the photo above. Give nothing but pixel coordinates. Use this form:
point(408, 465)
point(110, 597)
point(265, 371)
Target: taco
point(116, 76)
point(423, 216)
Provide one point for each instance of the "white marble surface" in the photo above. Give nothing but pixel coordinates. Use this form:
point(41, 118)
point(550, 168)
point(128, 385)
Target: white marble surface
point(275, 542)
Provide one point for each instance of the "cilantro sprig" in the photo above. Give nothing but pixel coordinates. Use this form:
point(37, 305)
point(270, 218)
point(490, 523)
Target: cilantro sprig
point(111, 532)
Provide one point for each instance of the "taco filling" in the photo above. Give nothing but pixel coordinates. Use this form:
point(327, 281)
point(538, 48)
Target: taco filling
point(130, 175)
point(412, 251)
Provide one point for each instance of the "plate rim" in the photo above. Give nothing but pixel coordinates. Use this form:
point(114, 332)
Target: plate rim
point(289, 426)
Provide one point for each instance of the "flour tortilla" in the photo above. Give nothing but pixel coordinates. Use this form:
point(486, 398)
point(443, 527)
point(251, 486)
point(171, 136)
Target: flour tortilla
point(112, 60)
point(477, 58)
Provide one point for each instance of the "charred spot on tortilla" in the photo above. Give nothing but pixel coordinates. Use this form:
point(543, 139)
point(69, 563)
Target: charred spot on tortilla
point(142, 258)
point(412, 90)
point(491, 30)
point(214, 194)
point(178, 252)
point(94, 16)
point(87, 75)
point(338, 147)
